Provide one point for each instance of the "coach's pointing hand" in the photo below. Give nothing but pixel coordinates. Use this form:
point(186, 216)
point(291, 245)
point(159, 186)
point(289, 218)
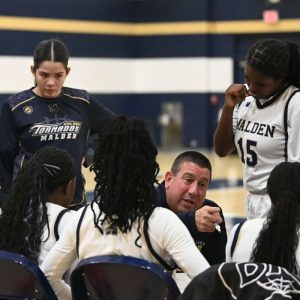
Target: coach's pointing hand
point(206, 217)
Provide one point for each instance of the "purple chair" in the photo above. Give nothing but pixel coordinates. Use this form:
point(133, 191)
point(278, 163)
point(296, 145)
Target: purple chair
point(21, 278)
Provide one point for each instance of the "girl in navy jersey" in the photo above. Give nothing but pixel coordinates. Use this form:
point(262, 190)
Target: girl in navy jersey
point(262, 117)
point(48, 114)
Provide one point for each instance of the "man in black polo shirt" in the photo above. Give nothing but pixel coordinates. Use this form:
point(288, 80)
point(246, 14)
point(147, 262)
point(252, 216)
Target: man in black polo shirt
point(184, 191)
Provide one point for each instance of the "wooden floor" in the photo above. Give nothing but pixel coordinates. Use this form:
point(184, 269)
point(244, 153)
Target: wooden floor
point(226, 187)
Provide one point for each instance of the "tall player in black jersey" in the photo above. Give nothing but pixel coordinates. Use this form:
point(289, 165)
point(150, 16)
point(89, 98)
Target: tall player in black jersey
point(48, 114)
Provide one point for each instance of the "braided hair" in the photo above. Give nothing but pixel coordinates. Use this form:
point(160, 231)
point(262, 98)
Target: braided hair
point(125, 167)
point(278, 239)
point(276, 58)
point(24, 217)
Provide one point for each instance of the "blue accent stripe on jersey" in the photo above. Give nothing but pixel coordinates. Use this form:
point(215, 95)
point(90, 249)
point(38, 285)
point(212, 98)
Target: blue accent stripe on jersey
point(286, 125)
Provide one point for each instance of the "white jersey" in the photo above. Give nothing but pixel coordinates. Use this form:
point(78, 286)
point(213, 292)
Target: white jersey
point(168, 235)
point(261, 139)
point(49, 238)
point(246, 239)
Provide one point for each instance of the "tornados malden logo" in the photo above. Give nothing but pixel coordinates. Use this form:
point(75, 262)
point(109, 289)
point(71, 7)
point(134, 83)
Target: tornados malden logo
point(66, 130)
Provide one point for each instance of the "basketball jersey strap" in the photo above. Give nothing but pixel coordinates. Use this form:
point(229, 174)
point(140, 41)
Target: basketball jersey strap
point(285, 125)
point(235, 237)
point(149, 245)
point(78, 230)
point(58, 218)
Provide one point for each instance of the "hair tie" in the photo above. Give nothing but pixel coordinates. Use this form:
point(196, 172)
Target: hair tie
point(51, 169)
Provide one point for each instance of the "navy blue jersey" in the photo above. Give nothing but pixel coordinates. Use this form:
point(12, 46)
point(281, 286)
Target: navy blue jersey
point(211, 244)
point(29, 122)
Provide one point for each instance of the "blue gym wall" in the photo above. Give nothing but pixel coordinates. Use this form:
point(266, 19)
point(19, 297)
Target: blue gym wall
point(194, 29)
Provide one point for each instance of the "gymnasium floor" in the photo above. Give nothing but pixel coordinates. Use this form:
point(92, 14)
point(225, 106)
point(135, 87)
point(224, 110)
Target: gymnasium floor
point(226, 187)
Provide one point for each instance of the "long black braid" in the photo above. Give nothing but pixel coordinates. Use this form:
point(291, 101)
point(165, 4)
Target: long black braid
point(125, 167)
point(24, 217)
point(278, 239)
point(277, 58)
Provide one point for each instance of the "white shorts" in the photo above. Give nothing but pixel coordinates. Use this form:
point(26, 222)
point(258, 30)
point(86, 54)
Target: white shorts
point(258, 205)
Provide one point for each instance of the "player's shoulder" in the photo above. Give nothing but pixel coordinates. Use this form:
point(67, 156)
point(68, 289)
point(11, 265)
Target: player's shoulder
point(254, 224)
point(244, 106)
point(292, 93)
point(77, 95)
point(247, 103)
point(162, 215)
point(20, 98)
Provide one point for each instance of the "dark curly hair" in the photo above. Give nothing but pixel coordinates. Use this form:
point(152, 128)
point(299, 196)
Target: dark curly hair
point(24, 216)
point(125, 167)
point(278, 239)
point(277, 58)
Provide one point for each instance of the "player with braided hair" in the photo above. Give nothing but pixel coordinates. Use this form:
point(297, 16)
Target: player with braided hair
point(275, 239)
point(48, 114)
point(262, 117)
point(35, 212)
point(122, 219)
point(125, 150)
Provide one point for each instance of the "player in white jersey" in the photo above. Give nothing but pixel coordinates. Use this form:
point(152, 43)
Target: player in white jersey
point(122, 219)
point(36, 213)
point(261, 118)
point(275, 239)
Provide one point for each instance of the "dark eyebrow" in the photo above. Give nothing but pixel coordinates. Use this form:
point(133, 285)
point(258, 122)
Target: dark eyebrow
point(204, 179)
point(45, 72)
point(188, 174)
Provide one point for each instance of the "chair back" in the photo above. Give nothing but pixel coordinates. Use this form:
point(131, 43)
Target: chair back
point(112, 277)
point(21, 278)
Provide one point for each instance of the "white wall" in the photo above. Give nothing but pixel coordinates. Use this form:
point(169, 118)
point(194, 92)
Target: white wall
point(157, 75)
